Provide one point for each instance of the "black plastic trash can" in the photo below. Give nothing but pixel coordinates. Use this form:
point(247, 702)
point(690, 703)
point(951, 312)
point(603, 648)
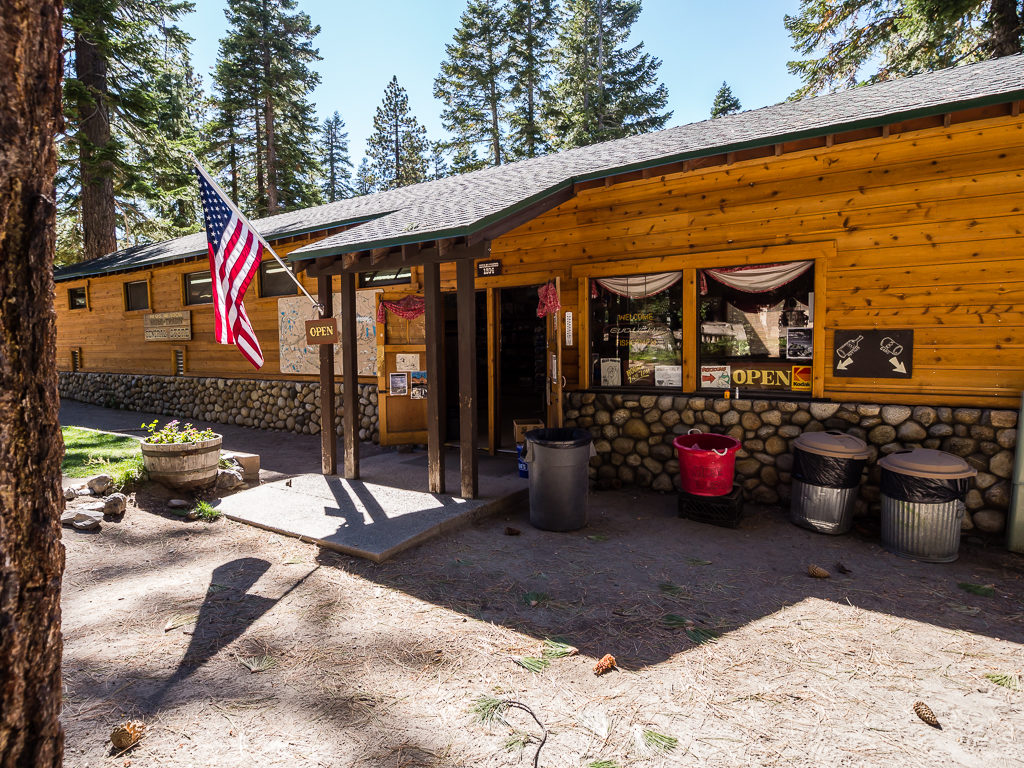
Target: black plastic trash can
point(826, 477)
point(558, 459)
point(923, 494)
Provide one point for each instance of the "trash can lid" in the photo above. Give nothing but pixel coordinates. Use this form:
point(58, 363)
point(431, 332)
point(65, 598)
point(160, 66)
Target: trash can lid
point(926, 462)
point(559, 437)
point(833, 443)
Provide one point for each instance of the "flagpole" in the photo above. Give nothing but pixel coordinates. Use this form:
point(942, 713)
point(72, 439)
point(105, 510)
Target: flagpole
point(316, 304)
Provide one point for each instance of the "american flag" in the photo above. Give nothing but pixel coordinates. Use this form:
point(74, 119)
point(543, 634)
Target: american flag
point(235, 252)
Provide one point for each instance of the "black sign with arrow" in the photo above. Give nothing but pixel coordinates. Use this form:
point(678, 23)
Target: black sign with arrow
point(874, 354)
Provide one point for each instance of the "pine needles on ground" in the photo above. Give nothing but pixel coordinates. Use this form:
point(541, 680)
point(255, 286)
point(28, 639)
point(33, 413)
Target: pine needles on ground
point(603, 764)
point(554, 649)
point(257, 663)
point(180, 620)
point(532, 663)
point(489, 708)
point(977, 589)
point(671, 589)
point(698, 635)
point(1004, 679)
point(533, 599)
point(659, 742)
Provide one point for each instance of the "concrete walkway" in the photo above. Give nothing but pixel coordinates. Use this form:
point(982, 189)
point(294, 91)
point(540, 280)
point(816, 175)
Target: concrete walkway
point(386, 511)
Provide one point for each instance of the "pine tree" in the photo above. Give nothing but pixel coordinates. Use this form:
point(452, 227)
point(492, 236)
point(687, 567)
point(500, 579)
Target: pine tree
point(262, 82)
point(725, 103)
point(366, 181)
point(471, 83)
point(123, 57)
point(397, 148)
point(532, 25)
point(604, 90)
point(438, 161)
point(849, 42)
point(337, 165)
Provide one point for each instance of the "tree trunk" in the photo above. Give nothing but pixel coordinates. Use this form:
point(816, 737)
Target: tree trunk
point(272, 196)
point(31, 555)
point(99, 222)
point(1006, 28)
point(532, 56)
point(261, 183)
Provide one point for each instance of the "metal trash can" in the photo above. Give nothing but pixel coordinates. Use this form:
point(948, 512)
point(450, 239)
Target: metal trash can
point(826, 477)
point(558, 460)
point(923, 503)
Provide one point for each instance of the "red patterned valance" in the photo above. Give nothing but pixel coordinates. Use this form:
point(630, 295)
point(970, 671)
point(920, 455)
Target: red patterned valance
point(410, 307)
point(548, 295)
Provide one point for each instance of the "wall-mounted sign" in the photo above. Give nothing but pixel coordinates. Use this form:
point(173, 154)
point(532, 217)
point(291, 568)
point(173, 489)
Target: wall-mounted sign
point(801, 378)
point(874, 353)
point(322, 331)
point(715, 377)
point(762, 376)
point(488, 268)
point(167, 326)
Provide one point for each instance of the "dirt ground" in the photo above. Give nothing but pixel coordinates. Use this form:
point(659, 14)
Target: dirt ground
point(381, 665)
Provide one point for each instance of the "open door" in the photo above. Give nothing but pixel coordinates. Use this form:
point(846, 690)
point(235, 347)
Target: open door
point(402, 377)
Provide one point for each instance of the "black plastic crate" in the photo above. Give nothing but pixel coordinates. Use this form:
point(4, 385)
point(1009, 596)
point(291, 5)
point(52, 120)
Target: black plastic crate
point(725, 510)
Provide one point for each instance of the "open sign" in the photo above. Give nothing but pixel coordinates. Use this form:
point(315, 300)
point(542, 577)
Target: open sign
point(323, 331)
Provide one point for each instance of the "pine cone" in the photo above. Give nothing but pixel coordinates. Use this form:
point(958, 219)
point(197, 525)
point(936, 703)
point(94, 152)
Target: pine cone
point(128, 734)
point(923, 711)
point(817, 571)
point(606, 664)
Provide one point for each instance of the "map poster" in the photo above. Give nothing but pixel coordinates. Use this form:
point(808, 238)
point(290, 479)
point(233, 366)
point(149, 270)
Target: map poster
point(299, 357)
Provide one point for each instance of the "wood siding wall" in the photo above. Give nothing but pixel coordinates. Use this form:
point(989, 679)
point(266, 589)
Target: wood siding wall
point(920, 229)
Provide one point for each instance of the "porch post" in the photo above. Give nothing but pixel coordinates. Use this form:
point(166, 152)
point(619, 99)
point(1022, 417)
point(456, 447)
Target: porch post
point(466, 288)
point(435, 377)
point(328, 439)
point(350, 375)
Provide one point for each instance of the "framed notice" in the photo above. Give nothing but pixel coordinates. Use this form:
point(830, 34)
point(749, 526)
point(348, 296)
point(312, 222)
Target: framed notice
point(418, 385)
point(405, 361)
point(799, 344)
point(611, 372)
point(668, 375)
point(398, 384)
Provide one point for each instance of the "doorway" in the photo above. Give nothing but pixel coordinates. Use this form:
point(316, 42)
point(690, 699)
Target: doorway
point(522, 355)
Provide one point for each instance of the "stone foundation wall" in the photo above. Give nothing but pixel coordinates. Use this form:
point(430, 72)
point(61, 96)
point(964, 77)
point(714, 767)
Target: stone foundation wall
point(633, 438)
point(289, 405)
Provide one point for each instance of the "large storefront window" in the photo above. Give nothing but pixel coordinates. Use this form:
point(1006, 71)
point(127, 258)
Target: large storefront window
point(756, 327)
point(636, 331)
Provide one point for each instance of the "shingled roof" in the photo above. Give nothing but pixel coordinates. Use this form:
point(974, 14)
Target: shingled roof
point(462, 205)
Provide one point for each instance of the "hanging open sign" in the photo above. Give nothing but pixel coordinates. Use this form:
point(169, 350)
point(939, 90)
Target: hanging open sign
point(323, 331)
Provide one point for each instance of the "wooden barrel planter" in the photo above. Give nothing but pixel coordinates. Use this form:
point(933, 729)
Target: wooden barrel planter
point(183, 466)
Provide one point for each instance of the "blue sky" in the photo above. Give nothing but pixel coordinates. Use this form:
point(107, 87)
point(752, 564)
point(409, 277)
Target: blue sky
point(364, 43)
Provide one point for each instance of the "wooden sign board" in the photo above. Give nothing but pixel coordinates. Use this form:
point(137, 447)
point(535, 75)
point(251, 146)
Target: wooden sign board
point(488, 268)
point(874, 353)
point(167, 326)
point(323, 331)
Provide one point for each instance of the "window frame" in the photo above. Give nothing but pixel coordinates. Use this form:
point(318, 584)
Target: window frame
point(185, 283)
point(366, 281)
point(127, 307)
point(272, 262)
point(85, 298)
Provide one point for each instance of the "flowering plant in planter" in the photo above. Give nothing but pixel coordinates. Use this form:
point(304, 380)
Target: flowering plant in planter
point(171, 433)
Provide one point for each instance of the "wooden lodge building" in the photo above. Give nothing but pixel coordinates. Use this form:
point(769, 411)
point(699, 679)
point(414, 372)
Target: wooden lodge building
point(851, 261)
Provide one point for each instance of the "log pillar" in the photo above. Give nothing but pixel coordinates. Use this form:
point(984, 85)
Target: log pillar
point(350, 375)
point(435, 377)
point(328, 439)
point(466, 289)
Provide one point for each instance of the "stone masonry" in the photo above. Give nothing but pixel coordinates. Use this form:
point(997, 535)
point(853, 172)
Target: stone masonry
point(633, 437)
point(289, 405)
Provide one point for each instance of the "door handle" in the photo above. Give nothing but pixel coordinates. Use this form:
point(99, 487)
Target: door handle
point(563, 382)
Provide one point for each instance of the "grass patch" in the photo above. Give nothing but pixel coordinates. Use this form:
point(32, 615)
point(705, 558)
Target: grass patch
point(203, 510)
point(88, 452)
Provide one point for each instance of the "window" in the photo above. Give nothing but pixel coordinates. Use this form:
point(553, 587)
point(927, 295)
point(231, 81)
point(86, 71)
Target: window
point(77, 298)
point(198, 288)
point(636, 331)
point(756, 327)
point(385, 277)
point(136, 295)
point(275, 280)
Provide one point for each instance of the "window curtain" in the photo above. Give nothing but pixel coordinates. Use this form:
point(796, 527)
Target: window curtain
point(639, 286)
point(762, 278)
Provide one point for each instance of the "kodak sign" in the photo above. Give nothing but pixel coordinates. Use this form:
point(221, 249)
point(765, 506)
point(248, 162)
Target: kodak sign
point(323, 331)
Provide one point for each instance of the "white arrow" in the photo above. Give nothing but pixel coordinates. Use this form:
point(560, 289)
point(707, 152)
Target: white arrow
point(897, 365)
point(844, 364)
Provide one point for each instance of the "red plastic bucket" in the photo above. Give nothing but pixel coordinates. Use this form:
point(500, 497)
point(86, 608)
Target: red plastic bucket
point(707, 463)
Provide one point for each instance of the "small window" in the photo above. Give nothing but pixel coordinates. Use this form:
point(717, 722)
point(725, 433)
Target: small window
point(398, 276)
point(275, 280)
point(76, 360)
point(77, 298)
point(179, 362)
point(637, 331)
point(198, 288)
point(757, 327)
point(136, 295)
